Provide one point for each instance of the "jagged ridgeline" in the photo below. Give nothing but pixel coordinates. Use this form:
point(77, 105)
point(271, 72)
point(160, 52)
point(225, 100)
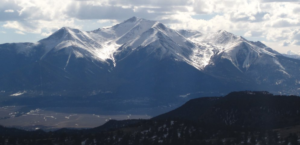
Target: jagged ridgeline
point(239, 118)
point(139, 63)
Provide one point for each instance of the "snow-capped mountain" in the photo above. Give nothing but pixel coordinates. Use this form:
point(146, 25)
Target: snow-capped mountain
point(143, 62)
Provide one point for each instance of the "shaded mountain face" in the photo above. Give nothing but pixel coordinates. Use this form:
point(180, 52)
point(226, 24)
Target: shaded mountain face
point(140, 63)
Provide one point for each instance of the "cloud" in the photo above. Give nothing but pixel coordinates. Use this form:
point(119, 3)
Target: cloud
point(160, 3)
point(35, 16)
point(270, 20)
point(293, 52)
point(20, 32)
point(293, 38)
point(9, 11)
point(181, 21)
point(44, 28)
point(286, 23)
point(253, 33)
point(21, 26)
point(280, 0)
point(296, 42)
point(116, 11)
point(296, 10)
point(109, 21)
point(33, 9)
point(84, 11)
point(286, 43)
point(296, 34)
point(249, 17)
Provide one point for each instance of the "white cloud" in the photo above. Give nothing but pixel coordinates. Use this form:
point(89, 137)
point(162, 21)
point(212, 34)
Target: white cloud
point(9, 11)
point(269, 20)
point(280, 1)
point(285, 43)
point(108, 21)
point(296, 42)
point(45, 28)
point(253, 33)
point(286, 23)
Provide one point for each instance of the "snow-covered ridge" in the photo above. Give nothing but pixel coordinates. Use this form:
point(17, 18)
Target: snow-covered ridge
point(231, 47)
point(193, 47)
point(80, 43)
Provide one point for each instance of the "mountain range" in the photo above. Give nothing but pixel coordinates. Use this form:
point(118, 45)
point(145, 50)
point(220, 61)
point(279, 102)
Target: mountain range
point(139, 63)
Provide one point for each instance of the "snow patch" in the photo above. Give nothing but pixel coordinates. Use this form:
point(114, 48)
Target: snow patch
point(78, 54)
point(184, 96)
point(201, 56)
point(278, 82)
point(67, 61)
point(107, 51)
point(18, 94)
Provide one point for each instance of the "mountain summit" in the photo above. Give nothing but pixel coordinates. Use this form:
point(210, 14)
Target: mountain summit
point(141, 63)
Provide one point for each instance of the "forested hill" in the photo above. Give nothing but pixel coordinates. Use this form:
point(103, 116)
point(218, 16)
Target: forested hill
point(251, 110)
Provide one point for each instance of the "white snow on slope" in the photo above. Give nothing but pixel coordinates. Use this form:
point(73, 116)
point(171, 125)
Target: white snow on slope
point(169, 42)
point(154, 33)
point(192, 47)
point(230, 47)
point(18, 93)
point(90, 44)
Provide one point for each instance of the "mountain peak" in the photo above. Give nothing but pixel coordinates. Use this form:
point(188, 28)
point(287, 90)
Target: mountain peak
point(160, 26)
point(67, 30)
point(64, 33)
point(132, 19)
point(222, 31)
point(64, 28)
point(189, 33)
point(225, 33)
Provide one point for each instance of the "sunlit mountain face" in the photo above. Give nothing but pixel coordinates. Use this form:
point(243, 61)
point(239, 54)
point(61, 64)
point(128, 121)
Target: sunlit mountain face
point(138, 68)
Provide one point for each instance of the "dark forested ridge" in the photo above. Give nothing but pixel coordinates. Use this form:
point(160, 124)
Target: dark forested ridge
point(240, 118)
point(248, 110)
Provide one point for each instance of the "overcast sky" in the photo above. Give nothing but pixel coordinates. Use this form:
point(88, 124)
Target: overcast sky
point(274, 22)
